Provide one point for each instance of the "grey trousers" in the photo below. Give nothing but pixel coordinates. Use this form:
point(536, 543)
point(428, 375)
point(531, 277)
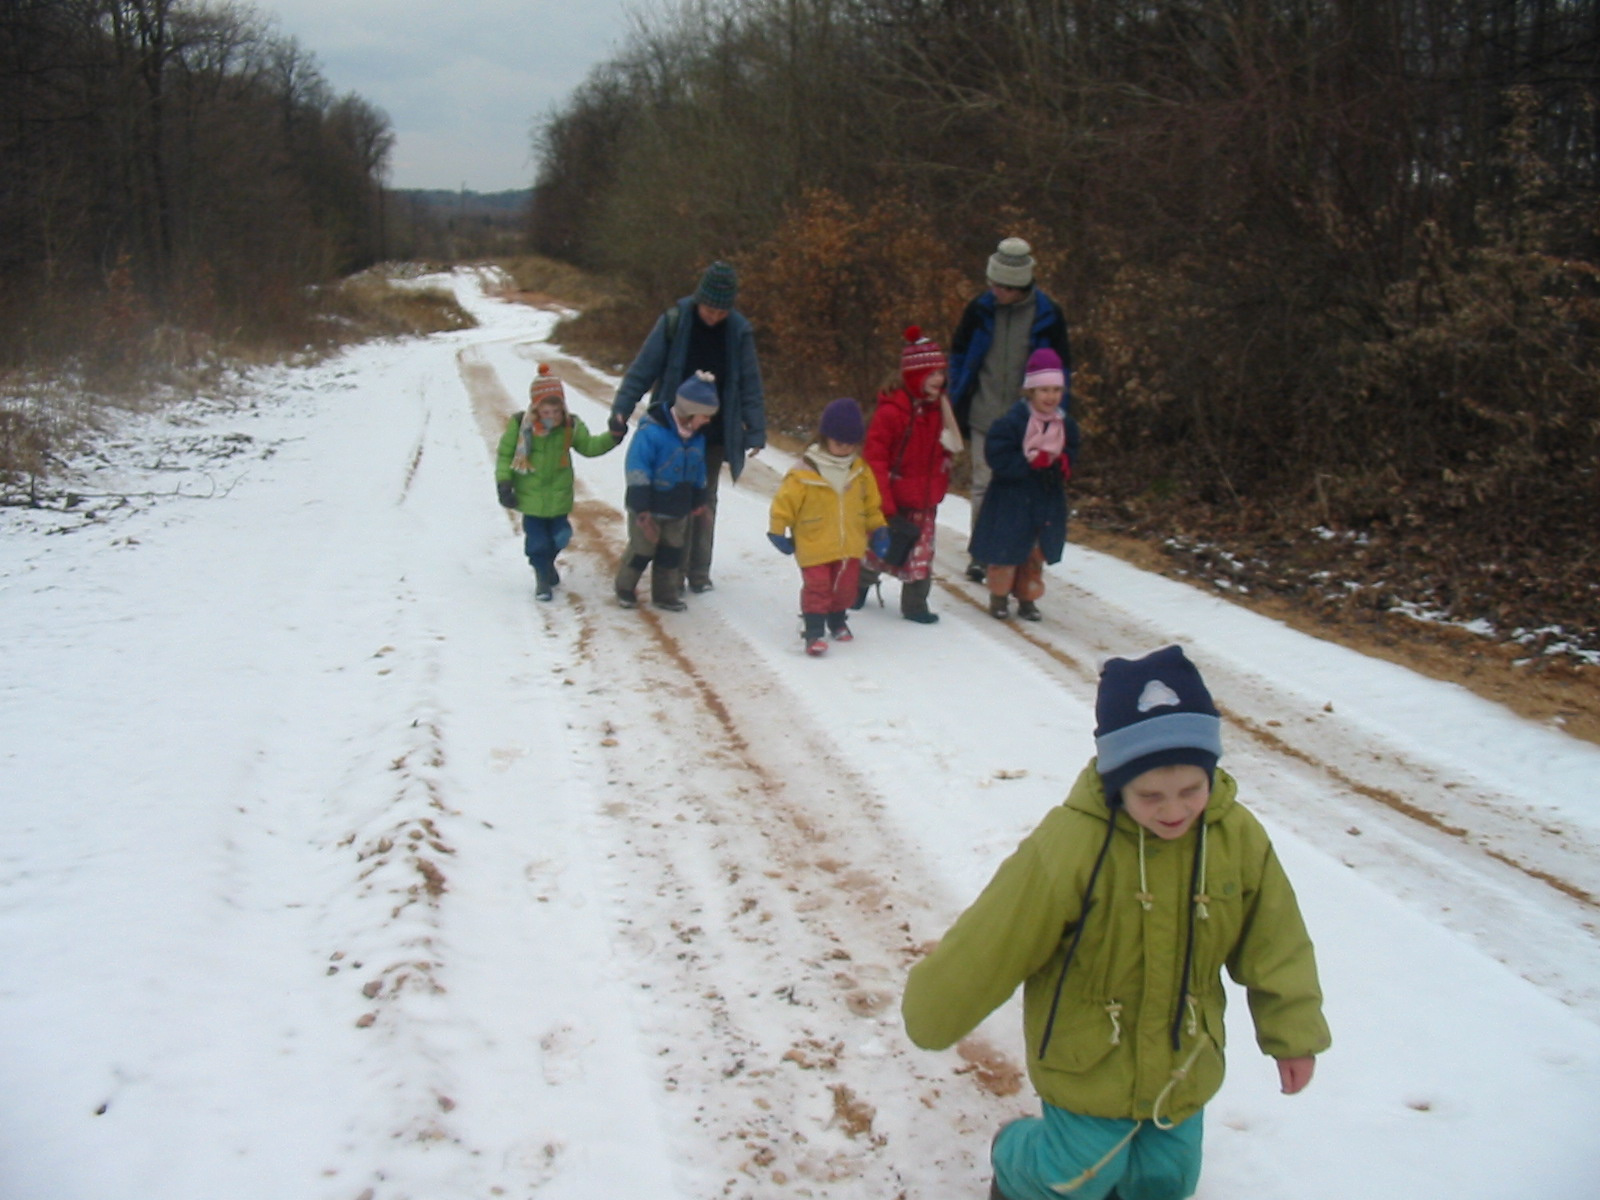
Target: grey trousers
point(663, 554)
point(702, 531)
point(980, 477)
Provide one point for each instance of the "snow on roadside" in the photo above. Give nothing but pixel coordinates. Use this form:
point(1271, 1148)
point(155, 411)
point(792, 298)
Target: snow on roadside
point(340, 868)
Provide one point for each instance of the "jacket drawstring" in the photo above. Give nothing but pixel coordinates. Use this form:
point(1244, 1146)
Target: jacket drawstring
point(1083, 1177)
point(1114, 1011)
point(1146, 899)
point(1196, 890)
point(1077, 933)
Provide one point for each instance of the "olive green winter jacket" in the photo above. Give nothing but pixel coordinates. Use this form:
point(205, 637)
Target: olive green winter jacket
point(545, 489)
point(1110, 1052)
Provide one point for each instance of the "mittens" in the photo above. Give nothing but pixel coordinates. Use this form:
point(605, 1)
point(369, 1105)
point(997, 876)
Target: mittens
point(617, 424)
point(507, 492)
point(1040, 460)
point(878, 543)
point(784, 544)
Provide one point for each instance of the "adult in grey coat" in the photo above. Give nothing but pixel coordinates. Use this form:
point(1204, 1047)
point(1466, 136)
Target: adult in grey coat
point(997, 332)
point(703, 332)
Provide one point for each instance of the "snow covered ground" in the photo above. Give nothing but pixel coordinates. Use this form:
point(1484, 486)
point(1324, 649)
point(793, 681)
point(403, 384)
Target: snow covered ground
point(340, 868)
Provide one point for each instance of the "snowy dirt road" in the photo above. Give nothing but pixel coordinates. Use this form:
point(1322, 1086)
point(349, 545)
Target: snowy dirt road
point(342, 868)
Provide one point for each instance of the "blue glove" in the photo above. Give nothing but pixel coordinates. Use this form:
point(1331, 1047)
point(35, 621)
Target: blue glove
point(786, 545)
point(878, 543)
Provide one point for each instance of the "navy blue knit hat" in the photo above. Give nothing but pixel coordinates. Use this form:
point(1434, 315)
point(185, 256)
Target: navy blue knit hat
point(719, 286)
point(842, 422)
point(697, 396)
point(1153, 712)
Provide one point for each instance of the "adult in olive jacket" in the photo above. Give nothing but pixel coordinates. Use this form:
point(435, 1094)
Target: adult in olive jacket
point(703, 332)
point(1119, 938)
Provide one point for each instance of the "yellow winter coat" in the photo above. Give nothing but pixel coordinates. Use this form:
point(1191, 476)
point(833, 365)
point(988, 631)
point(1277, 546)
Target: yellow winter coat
point(828, 525)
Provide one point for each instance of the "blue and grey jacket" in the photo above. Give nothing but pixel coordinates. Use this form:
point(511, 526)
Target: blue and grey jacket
point(659, 367)
point(666, 472)
point(974, 335)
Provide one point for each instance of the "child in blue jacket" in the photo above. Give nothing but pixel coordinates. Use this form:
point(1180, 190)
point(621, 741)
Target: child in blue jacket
point(666, 477)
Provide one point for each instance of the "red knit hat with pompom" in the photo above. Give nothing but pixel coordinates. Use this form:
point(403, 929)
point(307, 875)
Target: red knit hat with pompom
point(920, 358)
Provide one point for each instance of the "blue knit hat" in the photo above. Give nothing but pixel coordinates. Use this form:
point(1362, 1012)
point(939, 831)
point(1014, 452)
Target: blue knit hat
point(1153, 712)
point(697, 396)
point(719, 286)
point(842, 422)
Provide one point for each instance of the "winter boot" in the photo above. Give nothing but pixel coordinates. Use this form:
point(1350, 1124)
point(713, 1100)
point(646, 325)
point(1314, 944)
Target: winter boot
point(1028, 610)
point(914, 601)
point(544, 574)
point(627, 598)
point(816, 643)
point(999, 607)
point(976, 571)
point(838, 626)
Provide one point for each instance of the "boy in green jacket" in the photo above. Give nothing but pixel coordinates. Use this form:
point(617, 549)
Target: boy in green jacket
point(1118, 914)
point(533, 473)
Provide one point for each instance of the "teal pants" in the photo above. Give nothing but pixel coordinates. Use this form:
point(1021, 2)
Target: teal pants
point(1050, 1157)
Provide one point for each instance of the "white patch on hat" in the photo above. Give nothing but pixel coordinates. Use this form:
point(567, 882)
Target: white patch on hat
point(1157, 695)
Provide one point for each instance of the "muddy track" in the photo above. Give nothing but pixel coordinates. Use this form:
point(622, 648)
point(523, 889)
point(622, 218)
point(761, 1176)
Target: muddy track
point(770, 859)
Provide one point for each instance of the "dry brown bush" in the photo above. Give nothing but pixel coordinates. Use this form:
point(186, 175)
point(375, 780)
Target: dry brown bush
point(832, 291)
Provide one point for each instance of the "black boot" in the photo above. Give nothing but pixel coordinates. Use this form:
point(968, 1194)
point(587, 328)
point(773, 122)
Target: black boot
point(914, 601)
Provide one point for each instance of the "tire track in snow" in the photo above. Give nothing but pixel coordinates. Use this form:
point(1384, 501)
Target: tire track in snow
point(773, 1006)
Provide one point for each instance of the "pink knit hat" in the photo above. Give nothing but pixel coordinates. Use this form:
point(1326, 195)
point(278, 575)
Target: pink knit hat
point(1044, 370)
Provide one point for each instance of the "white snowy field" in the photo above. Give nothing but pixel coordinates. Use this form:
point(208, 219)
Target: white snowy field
point(340, 868)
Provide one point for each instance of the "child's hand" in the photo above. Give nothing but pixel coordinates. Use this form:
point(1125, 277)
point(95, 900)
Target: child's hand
point(784, 544)
point(1295, 1073)
point(878, 543)
point(1040, 460)
point(617, 426)
point(506, 491)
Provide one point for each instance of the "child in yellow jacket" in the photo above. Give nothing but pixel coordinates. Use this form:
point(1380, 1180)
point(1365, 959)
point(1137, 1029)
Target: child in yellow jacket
point(826, 513)
point(1117, 915)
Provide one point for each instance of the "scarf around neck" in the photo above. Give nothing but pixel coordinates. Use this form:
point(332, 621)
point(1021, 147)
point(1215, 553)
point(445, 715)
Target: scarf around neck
point(834, 468)
point(1046, 433)
point(532, 427)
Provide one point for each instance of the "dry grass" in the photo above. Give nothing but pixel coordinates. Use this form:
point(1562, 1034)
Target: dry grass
point(376, 304)
point(47, 407)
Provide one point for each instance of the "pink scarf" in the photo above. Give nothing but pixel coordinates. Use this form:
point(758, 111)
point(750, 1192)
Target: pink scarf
point(1045, 433)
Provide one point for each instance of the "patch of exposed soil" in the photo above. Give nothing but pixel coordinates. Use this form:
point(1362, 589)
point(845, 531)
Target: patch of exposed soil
point(1551, 690)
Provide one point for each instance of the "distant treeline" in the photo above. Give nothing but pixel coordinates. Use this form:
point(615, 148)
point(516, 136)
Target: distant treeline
point(440, 225)
point(171, 163)
point(1325, 260)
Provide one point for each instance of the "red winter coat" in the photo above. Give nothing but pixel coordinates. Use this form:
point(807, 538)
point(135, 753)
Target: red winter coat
point(904, 452)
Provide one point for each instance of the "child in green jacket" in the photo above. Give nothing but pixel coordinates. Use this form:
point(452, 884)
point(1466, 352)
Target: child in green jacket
point(533, 473)
point(1117, 914)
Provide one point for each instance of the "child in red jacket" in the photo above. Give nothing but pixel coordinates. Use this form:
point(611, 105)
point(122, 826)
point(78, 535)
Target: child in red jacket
point(909, 444)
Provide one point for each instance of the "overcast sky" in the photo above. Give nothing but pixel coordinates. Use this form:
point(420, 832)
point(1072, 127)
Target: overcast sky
point(463, 81)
